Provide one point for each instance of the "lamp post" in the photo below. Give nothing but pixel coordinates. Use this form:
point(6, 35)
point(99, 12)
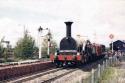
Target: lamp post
point(40, 29)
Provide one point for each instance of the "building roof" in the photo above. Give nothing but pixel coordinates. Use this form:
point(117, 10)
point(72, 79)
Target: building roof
point(118, 45)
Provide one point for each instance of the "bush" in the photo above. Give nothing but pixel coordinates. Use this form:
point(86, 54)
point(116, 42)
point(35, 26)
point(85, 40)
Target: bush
point(25, 47)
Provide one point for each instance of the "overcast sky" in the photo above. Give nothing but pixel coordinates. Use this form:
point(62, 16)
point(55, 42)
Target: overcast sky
point(102, 17)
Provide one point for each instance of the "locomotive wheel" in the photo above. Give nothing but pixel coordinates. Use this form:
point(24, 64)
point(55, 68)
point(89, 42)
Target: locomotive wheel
point(57, 64)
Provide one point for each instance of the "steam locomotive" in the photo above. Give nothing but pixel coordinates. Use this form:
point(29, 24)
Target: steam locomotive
point(71, 52)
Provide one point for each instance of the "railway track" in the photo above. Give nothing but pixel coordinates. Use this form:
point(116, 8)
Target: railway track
point(52, 75)
point(54, 78)
point(85, 68)
point(31, 76)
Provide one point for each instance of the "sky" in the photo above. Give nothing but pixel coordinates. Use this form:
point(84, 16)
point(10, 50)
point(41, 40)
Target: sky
point(96, 19)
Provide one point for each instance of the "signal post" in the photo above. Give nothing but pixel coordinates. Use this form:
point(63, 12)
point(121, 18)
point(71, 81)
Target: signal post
point(111, 36)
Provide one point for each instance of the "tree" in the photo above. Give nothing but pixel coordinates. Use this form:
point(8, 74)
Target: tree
point(25, 47)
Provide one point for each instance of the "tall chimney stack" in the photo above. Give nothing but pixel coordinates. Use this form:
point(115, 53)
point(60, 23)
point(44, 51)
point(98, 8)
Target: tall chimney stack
point(68, 28)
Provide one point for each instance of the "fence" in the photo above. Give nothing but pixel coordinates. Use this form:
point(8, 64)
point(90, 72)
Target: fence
point(96, 73)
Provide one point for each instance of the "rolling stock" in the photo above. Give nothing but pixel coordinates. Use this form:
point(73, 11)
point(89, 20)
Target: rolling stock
point(71, 52)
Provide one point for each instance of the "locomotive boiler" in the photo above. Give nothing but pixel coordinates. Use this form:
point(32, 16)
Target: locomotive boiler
point(71, 52)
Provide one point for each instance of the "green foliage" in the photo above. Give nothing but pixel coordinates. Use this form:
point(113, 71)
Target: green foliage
point(5, 54)
point(107, 48)
point(45, 45)
point(107, 74)
point(1, 50)
point(25, 47)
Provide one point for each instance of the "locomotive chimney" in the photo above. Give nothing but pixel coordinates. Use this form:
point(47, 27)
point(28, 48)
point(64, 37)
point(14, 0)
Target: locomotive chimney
point(68, 28)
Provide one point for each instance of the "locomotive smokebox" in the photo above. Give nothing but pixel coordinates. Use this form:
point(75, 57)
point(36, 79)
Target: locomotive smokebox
point(68, 28)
